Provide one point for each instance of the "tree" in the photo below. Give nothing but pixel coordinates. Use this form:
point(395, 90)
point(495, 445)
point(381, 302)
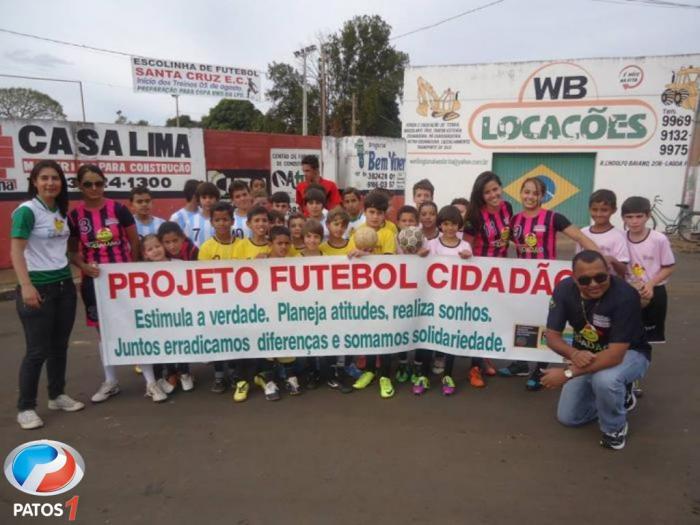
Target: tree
point(185, 122)
point(123, 119)
point(362, 62)
point(22, 103)
point(239, 115)
point(286, 95)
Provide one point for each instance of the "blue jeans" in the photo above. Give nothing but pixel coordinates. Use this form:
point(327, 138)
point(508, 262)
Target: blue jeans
point(601, 394)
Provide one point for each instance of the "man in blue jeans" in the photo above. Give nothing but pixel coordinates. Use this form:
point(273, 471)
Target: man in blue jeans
point(609, 349)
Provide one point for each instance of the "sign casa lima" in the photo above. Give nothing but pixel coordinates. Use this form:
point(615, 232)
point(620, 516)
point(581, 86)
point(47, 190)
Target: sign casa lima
point(559, 107)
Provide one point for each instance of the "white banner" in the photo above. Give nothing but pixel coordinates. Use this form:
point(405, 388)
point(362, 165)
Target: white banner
point(367, 163)
point(196, 311)
point(179, 77)
point(159, 158)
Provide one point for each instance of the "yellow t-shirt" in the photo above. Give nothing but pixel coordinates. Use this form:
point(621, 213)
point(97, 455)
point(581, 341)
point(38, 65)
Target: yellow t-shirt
point(294, 251)
point(327, 249)
point(386, 241)
point(246, 249)
point(391, 226)
point(213, 250)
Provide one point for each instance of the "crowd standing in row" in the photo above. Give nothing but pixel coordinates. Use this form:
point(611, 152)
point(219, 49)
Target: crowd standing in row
point(46, 238)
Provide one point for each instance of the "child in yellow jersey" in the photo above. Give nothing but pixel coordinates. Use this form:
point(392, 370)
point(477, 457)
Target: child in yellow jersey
point(221, 244)
point(296, 225)
point(280, 240)
point(313, 236)
point(376, 205)
point(337, 222)
point(257, 245)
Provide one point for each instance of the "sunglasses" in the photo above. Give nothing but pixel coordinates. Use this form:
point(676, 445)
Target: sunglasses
point(598, 278)
point(96, 184)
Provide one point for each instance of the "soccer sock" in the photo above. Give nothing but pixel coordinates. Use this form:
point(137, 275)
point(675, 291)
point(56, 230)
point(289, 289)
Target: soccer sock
point(147, 372)
point(110, 373)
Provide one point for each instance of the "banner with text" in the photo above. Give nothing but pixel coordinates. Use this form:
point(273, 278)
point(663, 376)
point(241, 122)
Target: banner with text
point(195, 311)
point(179, 77)
point(161, 159)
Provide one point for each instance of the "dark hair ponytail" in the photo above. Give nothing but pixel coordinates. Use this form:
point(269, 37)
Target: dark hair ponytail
point(62, 198)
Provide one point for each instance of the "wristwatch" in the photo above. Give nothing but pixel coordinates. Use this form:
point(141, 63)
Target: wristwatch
point(568, 373)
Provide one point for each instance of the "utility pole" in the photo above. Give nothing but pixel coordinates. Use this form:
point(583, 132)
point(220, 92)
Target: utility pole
point(303, 53)
point(323, 90)
point(177, 110)
point(353, 125)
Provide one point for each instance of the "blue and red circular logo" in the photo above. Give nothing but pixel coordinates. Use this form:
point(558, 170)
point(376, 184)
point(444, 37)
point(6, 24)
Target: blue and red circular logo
point(44, 467)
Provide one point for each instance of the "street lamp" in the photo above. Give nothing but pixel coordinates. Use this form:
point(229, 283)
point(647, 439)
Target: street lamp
point(303, 53)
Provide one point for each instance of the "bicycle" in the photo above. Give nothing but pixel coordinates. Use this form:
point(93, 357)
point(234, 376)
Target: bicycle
point(686, 224)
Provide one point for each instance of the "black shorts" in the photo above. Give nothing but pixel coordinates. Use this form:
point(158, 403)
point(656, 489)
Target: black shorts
point(87, 292)
point(654, 316)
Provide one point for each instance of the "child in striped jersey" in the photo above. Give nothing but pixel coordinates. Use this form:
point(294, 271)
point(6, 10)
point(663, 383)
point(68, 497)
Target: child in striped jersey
point(242, 202)
point(191, 207)
point(314, 202)
point(141, 203)
point(534, 233)
point(199, 227)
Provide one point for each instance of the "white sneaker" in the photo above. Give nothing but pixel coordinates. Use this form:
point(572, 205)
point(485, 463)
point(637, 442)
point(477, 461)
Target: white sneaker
point(165, 386)
point(439, 364)
point(186, 382)
point(65, 403)
point(29, 419)
point(155, 393)
point(272, 392)
point(106, 390)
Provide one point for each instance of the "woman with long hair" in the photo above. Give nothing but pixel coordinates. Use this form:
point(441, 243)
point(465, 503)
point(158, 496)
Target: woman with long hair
point(46, 296)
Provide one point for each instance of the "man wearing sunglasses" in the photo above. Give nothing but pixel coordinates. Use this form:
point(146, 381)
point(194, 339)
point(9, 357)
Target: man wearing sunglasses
point(609, 349)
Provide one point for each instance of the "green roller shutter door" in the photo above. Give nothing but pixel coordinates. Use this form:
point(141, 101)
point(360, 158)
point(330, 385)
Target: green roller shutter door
point(568, 177)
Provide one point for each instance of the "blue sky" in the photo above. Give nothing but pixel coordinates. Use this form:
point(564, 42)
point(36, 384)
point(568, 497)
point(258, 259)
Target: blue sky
point(253, 34)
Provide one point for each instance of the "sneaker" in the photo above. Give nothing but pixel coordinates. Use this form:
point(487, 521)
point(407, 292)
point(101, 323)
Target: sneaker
point(106, 390)
point(292, 384)
point(420, 385)
point(364, 380)
point(403, 373)
point(138, 370)
point(533, 383)
point(29, 419)
point(186, 382)
point(475, 378)
point(219, 386)
point(353, 371)
point(272, 391)
point(333, 381)
point(313, 379)
point(616, 440)
point(260, 381)
point(386, 389)
point(65, 403)
point(489, 369)
point(516, 368)
point(241, 392)
point(165, 386)
point(630, 398)
point(439, 365)
point(155, 393)
point(448, 386)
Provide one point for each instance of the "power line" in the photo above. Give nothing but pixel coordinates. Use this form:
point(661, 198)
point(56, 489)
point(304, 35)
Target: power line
point(474, 10)
point(652, 3)
point(63, 42)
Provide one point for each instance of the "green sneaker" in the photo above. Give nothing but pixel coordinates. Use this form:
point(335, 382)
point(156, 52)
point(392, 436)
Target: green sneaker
point(403, 372)
point(364, 380)
point(386, 389)
point(420, 385)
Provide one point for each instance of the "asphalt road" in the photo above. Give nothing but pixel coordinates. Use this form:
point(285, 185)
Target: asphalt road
point(491, 456)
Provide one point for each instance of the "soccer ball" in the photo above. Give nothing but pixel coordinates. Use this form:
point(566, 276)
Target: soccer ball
point(365, 238)
point(410, 239)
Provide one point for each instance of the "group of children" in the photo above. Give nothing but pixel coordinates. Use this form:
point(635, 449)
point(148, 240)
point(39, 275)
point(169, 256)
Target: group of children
point(254, 225)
